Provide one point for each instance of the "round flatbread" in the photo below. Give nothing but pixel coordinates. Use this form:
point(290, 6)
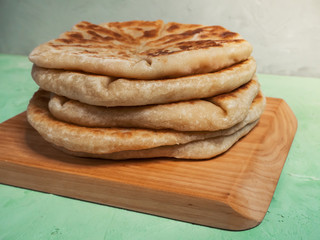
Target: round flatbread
point(210, 114)
point(143, 49)
point(102, 90)
point(202, 149)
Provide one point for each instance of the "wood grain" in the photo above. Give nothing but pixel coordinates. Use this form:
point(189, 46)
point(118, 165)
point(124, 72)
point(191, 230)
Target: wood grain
point(232, 191)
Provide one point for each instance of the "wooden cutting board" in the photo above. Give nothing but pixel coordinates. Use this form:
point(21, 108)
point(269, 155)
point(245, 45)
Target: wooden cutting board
point(232, 191)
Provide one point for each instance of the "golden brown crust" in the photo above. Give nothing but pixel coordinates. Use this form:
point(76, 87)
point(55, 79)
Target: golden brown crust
point(143, 49)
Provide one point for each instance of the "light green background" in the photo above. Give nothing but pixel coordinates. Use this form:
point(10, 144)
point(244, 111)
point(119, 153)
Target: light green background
point(285, 34)
point(294, 212)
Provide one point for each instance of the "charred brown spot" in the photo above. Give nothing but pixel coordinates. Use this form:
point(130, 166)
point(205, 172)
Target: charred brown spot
point(173, 27)
point(193, 45)
point(192, 32)
point(184, 46)
point(128, 23)
point(158, 52)
point(64, 40)
point(96, 36)
point(204, 36)
point(228, 34)
point(131, 24)
point(230, 41)
point(78, 38)
point(150, 34)
point(181, 36)
point(75, 35)
point(54, 45)
point(98, 29)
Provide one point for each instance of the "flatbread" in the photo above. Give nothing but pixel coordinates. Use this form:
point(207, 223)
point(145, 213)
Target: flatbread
point(211, 114)
point(107, 140)
point(102, 90)
point(202, 149)
point(143, 49)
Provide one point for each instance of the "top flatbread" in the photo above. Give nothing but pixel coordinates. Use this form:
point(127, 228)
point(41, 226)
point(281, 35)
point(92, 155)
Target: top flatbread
point(143, 49)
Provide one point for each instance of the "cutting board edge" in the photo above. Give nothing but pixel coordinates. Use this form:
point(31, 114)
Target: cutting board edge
point(288, 130)
point(206, 212)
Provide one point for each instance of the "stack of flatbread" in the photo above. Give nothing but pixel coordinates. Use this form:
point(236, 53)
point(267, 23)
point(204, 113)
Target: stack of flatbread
point(145, 89)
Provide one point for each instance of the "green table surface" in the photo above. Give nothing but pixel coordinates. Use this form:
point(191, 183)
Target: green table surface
point(294, 212)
